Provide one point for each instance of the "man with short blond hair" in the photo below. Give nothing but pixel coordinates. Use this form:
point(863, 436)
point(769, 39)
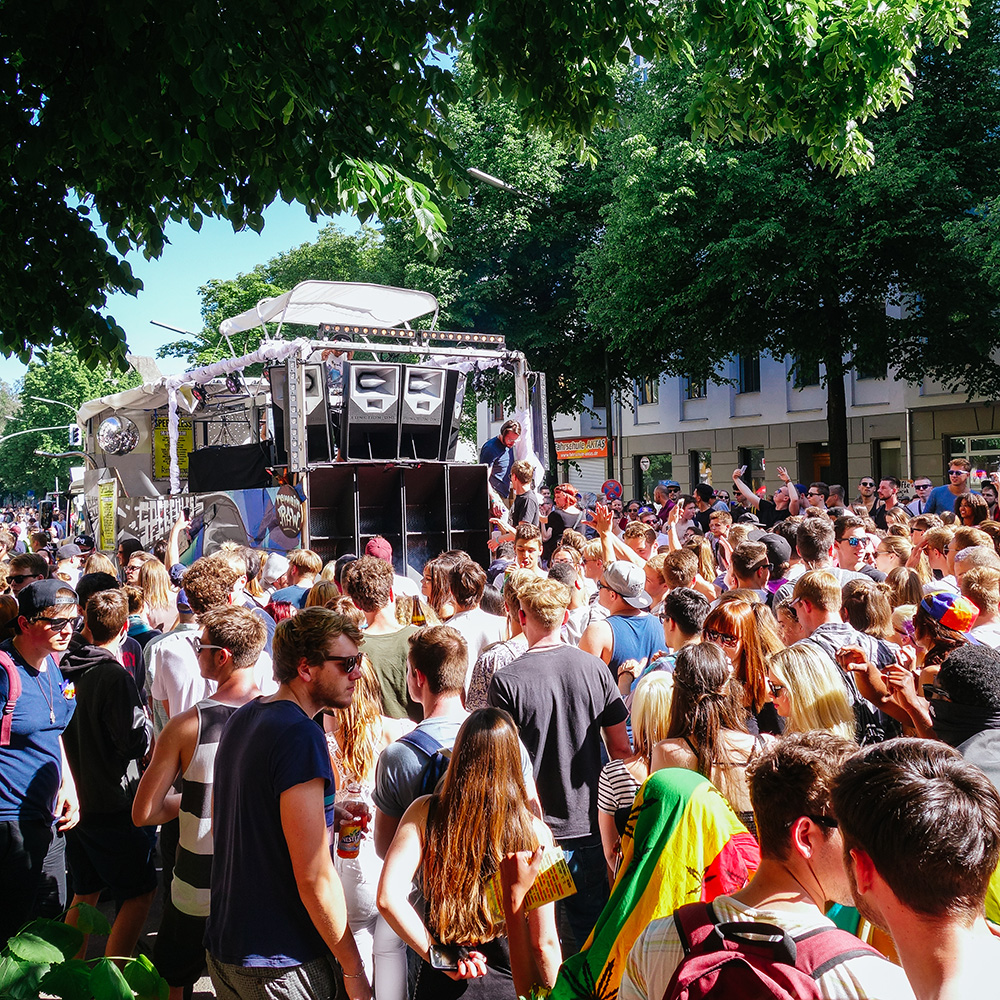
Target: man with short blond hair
point(304, 566)
point(562, 699)
point(640, 538)
point(981, 585)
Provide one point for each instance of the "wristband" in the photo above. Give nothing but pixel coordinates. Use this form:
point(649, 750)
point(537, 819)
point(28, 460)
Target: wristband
point(626, 669)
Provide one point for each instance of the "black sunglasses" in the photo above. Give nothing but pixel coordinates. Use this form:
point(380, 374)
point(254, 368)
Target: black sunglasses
point(21, 577)
point(60, 624)
point(346, 663)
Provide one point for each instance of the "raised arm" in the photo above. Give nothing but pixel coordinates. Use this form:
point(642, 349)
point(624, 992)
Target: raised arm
point(745, 491)
point(793, 493)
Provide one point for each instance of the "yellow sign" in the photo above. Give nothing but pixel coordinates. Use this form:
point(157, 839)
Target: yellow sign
point(581, 448)
point(161, 446)
point(107, 502)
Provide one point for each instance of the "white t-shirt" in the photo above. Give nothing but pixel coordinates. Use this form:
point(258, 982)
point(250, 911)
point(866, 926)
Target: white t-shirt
point(403, 586)
point(988, 635)
point(480, 629)
point(657, 953)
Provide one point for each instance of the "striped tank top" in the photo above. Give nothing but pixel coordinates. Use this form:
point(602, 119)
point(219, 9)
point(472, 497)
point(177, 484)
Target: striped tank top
point(191, 888)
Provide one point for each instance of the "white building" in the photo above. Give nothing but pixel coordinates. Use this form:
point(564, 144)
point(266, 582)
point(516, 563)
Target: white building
point(695, 432)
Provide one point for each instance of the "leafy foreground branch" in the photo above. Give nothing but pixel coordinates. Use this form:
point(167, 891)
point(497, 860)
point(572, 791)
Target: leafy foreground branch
point(39, 961)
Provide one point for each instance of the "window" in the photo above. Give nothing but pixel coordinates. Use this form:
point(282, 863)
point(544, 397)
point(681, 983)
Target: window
point(983, 453)
point(695, 388)
point(805, 374)
point(748, 374)
point(871, 370)
point(661, 467)
point(647, 391)
point(700, 467)
point(753, 459)
point(497, 414)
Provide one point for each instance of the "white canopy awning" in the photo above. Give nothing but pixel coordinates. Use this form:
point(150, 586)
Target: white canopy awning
point(349, 303)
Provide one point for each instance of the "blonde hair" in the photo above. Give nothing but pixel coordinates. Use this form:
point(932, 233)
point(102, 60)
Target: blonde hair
point(323, 594)
point(897, 546)
point(99, 562)
point(817, 697)
point(820, 588)
point(651, 712)
point(981, 585)
point(155, 584)
point(359, 732)
point(546, 601)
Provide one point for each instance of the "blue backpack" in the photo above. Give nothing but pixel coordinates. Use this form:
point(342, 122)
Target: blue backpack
point(437, 759)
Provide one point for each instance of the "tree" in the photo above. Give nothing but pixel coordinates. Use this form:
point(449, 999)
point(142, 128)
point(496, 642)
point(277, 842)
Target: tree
point(118, 119)
point(62, 378)
point(709, 251)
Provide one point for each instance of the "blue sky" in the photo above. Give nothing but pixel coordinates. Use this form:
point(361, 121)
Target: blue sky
point(190, 259)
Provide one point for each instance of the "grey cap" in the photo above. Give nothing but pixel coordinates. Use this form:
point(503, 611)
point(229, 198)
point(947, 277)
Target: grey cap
point(628, 581)
point(275, 568)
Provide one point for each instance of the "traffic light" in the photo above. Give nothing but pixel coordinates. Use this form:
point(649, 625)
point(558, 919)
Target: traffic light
point(75, 436)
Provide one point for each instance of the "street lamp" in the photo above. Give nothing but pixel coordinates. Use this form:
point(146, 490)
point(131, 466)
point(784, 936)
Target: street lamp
point(485, 178)
point(56, 402)
point(66, 454)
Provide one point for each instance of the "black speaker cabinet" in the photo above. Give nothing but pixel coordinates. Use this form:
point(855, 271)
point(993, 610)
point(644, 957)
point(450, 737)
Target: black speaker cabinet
point(320, 440)
point(233, 467)
point(425, 414)
point(369, 425)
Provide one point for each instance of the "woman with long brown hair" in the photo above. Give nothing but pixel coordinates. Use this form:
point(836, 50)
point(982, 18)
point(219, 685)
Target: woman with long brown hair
point(452, 842)
point(435, 583)
point(747, 634)
point(706, 732)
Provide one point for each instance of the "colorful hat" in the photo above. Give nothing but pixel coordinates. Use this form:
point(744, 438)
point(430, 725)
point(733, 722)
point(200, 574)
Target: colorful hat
point(951, 610)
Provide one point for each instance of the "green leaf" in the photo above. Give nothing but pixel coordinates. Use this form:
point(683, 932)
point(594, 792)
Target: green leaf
point(68, 980)
point(19, 980)
point(108, 983)
point(61, 935)
point(89, 918)
point(143, 981)
point(33, 947)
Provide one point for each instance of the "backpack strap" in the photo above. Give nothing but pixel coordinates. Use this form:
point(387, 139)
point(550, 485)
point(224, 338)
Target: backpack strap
point(422, 740)
point(824, 948)
point(13, 693)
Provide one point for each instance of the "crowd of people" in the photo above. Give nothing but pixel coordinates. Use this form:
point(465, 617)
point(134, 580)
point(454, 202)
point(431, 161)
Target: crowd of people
point(779, 711)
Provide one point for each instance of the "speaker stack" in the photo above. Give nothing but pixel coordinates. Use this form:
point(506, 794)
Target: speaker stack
point(404, 412)
point(320, 440)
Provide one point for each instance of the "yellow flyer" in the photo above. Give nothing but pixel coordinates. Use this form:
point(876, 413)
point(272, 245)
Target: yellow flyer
point(552, 882)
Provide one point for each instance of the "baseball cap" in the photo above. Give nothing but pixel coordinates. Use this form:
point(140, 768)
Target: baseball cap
point(748, 518)
point(628, 581)
point(42, 594)
point(68, 551)
point(85, 542)
point(380, 548)
point(177, 572)
point(778, 549)
point(183, 608)
point(275, 568)
point(951, 610)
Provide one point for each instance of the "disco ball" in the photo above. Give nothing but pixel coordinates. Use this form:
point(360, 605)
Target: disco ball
point(117, 435)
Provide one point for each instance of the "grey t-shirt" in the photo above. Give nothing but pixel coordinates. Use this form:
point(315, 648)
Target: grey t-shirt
point(401, 766)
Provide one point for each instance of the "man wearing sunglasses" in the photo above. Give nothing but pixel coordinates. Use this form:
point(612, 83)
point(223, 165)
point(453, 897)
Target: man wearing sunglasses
point(922, 486)
point(866, 493)
point(37, 793)
point(277, 906)
point(854, 547)
point(943, 498)
point(25, 568)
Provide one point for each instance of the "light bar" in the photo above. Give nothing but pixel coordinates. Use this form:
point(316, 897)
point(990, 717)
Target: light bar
point(332, 331)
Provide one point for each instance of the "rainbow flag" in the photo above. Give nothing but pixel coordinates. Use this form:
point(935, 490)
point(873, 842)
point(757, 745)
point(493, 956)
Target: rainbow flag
point(683, 843)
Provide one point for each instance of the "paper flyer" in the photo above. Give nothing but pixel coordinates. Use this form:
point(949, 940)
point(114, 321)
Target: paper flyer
point(553, 882)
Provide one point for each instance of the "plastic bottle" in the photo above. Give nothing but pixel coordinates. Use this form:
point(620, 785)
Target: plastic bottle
point(351, 833)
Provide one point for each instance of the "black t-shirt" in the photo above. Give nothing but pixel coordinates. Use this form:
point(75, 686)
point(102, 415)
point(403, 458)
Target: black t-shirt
point(560, 699)
point(559, 521)
point(768, 514)
point(525, 509)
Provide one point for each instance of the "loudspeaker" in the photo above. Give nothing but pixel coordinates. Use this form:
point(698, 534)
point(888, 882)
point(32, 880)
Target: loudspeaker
point(369, 427)
point(234, 467)
point(319, 438)
point(425, 411)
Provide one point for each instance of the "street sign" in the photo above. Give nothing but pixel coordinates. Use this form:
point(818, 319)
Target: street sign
point(644, 463)
point(612, 489)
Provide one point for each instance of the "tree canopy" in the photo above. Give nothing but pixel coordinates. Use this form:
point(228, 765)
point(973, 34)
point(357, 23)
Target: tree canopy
point(61, 378)
point(709, 251)
point(120, 118)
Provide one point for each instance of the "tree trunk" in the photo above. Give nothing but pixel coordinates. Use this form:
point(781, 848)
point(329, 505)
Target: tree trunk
point(836, 416)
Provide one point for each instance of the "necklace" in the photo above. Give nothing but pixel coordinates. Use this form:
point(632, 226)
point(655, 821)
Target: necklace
point(50, 698)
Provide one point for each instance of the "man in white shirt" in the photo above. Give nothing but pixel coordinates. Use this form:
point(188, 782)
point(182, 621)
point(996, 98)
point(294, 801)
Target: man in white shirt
point(479, 628)
point(924, 876)
point(801, 868)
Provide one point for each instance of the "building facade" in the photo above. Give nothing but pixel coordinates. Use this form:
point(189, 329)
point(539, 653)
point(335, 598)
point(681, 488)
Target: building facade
point(763, 417)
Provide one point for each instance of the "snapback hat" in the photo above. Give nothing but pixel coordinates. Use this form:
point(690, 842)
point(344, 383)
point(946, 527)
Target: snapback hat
point(42, 594)
point(275, 568)
point(628, 581)
point(951, 610)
